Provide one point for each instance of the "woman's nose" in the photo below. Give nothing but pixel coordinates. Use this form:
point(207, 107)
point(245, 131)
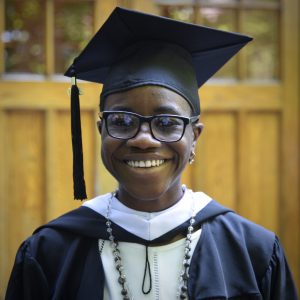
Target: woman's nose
point(144, 139)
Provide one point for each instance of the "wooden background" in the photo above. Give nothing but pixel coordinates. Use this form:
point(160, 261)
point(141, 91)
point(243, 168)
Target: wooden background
point(247, 157)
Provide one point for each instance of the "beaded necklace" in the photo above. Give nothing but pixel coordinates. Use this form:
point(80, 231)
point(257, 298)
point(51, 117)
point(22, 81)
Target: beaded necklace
point(184, 276)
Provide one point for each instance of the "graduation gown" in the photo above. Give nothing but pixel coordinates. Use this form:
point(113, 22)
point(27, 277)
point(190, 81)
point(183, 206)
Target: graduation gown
point(234, 259)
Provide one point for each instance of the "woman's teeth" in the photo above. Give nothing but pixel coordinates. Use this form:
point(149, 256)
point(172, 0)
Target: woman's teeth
point(145, 163)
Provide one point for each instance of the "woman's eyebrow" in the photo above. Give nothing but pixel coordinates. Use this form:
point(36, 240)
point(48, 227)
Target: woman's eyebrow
point(121, 108)
point(164, 109)
point(167, 109)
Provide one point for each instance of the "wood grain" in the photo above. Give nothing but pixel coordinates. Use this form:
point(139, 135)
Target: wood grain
point(247, 158)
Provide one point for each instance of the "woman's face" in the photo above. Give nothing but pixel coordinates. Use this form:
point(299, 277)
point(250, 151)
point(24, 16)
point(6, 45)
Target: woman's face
point(148, 188)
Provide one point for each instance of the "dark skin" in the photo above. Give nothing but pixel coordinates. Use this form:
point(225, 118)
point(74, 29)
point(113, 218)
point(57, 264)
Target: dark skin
point(156, 188)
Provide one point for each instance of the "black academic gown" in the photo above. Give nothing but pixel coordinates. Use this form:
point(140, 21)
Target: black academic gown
point(233, 259)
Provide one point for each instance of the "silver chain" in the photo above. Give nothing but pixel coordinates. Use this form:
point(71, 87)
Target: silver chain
point(184, 275)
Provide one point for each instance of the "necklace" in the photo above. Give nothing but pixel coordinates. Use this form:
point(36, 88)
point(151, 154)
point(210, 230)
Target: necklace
point(184, 276)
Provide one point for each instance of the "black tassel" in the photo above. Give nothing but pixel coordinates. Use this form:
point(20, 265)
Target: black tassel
point(78, 172)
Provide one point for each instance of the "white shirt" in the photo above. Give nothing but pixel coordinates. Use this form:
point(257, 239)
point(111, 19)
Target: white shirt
point(165, 261)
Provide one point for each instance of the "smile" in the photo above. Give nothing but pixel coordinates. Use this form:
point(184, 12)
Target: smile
point(145, 163)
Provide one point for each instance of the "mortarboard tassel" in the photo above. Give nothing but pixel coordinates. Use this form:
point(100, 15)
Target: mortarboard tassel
point(78, 172)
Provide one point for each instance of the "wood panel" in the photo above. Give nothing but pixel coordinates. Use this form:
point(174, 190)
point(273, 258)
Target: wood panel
point(214, 97)
point(290, 132)
point(23, 181)
point(60, 165)
point(45, 95)
point(5, 265)
point(215, 167)
point(260, 191)
point(25, 172)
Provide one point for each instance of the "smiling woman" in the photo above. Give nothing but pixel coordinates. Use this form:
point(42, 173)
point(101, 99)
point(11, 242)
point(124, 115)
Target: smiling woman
point(169, 143)
point(152, 238)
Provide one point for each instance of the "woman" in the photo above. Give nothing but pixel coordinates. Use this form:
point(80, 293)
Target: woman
point(152, 238)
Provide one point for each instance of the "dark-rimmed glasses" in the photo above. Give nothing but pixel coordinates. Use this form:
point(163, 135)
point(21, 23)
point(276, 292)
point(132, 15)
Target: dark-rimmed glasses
point(164, 127)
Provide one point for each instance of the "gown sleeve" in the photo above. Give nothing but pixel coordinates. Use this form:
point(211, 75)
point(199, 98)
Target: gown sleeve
point(27, 280)
point(277, 283)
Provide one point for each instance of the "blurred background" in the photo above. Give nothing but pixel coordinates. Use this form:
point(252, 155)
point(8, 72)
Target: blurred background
point(247, 157)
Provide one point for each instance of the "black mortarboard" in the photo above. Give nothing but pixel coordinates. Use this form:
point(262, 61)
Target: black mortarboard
point(133, 49)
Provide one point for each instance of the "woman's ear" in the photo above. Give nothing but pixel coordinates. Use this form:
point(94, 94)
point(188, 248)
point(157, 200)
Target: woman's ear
point(197, 129)
point(99, 126)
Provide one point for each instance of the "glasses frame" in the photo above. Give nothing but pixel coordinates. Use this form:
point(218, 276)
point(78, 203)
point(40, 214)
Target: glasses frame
point(147, 119)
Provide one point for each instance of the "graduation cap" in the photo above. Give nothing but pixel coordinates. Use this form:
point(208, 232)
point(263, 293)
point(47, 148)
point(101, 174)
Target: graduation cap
point(133, 49)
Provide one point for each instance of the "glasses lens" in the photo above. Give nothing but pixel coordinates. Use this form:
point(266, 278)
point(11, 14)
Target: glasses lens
point(167, 128)
point(122, 125)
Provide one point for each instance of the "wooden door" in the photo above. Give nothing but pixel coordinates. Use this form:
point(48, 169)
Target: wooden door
point(247, 158)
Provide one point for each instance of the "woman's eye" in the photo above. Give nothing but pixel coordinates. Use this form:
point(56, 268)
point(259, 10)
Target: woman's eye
point(121, 120)
point(167, 122)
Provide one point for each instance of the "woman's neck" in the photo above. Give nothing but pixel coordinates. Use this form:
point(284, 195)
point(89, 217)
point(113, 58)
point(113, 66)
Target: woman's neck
point(151, 203)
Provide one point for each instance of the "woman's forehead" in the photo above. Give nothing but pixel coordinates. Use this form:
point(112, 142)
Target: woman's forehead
point(155, 99)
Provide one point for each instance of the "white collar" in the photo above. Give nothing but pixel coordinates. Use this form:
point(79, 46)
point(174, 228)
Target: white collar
point(150, 225)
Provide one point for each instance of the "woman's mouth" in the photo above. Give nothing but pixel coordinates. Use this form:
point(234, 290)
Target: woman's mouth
point(145, 163)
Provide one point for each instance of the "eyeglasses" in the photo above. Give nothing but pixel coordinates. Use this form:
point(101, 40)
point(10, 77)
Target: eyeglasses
point(164, 128)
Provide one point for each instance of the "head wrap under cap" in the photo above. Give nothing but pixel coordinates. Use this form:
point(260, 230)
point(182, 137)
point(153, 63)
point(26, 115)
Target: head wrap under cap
point(154, 63)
